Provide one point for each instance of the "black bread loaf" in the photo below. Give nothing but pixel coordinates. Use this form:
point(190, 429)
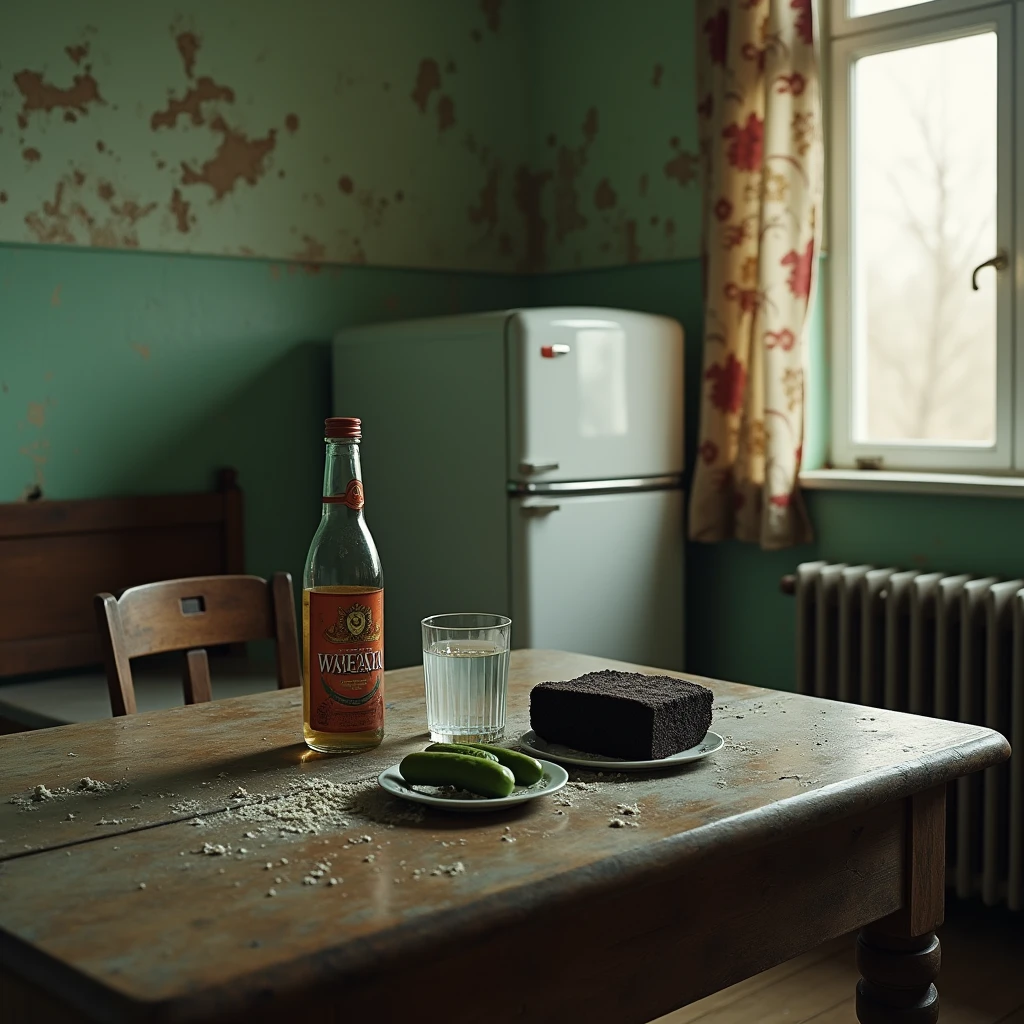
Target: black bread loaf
point(622, 714)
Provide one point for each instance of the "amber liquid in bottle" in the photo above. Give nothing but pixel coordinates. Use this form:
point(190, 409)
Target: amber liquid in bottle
point(343, 611)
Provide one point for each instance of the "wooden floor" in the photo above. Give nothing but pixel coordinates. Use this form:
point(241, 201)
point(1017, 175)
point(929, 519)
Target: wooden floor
point(982, 980)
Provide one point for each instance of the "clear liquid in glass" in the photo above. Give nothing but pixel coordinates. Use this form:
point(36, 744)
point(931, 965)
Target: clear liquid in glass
point(466, 683)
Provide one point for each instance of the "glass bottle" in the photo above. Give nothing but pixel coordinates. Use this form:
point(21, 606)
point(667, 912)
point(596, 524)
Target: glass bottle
point(343, 610)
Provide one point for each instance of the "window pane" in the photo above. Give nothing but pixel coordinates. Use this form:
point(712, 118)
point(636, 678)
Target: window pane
point(924, 215)
point(860, 8)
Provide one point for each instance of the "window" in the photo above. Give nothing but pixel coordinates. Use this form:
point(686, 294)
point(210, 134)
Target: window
point(923, 168)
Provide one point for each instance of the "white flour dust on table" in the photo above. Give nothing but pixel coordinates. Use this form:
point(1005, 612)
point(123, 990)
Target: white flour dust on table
point(313, 806)
point(41, 794)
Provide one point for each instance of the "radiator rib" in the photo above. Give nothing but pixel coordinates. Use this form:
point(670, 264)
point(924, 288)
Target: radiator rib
point(1015, 883)
point(948, 601)
point(968, 789)
point(806, 576)
point(874, 590)
point(932, 644)
point(948, 598)
point(921, 664)
point(897, 639)
point(998, 672)
point(851, 604)
point(826, 600)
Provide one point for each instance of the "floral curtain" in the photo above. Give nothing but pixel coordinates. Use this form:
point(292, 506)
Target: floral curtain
point(761, 151)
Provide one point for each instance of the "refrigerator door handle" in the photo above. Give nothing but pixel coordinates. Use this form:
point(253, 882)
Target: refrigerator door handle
point(668, 482)
point(553, 351)
point(540, 509)
point(537, 467)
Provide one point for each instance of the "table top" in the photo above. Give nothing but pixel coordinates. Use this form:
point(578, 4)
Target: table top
point(152, 882)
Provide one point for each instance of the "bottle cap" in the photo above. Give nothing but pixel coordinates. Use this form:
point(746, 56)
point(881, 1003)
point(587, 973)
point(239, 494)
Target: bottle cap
point(343, 426)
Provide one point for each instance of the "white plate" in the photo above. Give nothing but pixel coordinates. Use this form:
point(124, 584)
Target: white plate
point(536, 745)
point(555, 777)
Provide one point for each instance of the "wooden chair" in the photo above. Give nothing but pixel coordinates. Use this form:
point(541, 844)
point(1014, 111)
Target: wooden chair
point(190, 615)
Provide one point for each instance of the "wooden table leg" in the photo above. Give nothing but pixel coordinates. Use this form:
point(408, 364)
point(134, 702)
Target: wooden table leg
point(897, 975)
point(899, 956)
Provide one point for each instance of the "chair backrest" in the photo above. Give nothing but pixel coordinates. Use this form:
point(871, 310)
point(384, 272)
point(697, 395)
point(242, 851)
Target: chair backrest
point(190, 615)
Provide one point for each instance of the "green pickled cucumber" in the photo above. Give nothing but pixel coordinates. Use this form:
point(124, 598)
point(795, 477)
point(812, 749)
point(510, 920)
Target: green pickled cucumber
point(460, 748)
point(476, 774)
point(526, 769)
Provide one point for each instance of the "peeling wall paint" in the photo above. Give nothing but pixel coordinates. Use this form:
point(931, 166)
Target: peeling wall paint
point(479, 134)
point(220, 129)
point(613, 133)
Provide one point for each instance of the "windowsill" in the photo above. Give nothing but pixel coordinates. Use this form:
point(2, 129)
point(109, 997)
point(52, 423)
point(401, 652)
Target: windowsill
point(895, 482)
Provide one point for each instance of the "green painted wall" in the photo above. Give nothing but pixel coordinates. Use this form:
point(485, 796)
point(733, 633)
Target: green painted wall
point(127, 373)
point(613, 131)
point(954, 534)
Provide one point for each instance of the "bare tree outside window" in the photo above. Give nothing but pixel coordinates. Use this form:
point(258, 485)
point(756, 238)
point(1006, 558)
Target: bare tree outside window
point(924, 215)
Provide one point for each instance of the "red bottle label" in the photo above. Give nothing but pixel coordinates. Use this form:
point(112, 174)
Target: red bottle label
point(353, 496)
point(346, 661)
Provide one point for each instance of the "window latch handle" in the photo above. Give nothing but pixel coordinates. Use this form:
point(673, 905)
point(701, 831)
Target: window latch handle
point(998, 262)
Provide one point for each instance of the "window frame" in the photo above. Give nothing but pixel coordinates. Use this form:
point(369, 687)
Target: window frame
point(841, 23)
point(1014, 275)
point(879, 33)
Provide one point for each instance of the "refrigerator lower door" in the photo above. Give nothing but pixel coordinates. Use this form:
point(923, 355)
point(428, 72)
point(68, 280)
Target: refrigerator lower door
point(600, 574)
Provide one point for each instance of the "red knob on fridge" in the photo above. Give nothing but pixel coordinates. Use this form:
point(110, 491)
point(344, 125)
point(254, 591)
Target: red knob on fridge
point(550, 351)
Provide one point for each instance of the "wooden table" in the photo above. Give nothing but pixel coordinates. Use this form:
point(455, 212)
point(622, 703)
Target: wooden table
point(815, 819)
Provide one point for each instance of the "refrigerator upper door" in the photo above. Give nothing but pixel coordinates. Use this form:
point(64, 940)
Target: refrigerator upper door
point(601, 574)
point(594, 394)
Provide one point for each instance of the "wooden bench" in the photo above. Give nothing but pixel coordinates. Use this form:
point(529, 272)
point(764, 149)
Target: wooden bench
point(55, 556)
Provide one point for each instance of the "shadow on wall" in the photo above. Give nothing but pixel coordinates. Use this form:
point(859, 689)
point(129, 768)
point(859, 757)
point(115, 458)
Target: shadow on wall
point(106, 356)
point(270, 430)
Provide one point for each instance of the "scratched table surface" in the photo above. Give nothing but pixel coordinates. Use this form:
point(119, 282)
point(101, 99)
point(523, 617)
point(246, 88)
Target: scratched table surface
point(150, 896)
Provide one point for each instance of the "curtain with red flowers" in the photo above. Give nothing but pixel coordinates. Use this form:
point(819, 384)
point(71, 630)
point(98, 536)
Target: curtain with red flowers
point(760, 138)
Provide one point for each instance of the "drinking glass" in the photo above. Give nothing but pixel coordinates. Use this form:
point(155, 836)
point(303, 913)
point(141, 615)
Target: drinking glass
point(465, 671)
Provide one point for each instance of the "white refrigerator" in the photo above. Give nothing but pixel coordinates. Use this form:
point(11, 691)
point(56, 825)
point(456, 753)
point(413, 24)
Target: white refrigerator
point(527, 462)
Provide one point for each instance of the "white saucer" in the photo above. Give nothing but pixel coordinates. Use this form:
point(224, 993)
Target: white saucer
point(531, 743)
point(555, 777)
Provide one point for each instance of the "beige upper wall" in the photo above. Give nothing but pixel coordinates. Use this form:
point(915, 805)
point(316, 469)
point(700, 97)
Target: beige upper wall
point(463, 134)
